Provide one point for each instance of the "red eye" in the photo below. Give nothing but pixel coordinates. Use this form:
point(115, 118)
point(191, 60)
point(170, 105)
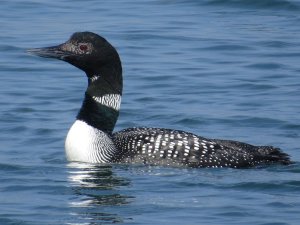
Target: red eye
point(83, 47)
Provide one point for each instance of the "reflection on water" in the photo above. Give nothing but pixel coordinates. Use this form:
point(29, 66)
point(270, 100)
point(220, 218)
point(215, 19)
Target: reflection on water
point(97, 191)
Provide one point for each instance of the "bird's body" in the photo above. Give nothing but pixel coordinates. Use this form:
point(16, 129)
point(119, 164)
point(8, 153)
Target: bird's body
point(91, 138)
point(158, 146)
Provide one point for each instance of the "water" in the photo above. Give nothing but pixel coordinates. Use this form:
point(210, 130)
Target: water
point(221, 69)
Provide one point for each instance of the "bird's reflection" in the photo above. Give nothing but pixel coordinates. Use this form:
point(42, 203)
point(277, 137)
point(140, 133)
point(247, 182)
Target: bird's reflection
point(98, 193)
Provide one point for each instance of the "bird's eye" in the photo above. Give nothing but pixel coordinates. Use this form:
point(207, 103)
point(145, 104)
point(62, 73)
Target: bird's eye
point(83, 47)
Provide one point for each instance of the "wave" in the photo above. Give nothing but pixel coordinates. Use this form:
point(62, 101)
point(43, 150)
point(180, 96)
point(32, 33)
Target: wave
point(259, 4)
point(249, 4)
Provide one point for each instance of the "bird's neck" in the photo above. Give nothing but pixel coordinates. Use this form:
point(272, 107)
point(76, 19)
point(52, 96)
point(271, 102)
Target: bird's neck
point(100, 108)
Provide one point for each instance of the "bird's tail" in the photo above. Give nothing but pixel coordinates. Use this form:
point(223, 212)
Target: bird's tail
point(272, 155)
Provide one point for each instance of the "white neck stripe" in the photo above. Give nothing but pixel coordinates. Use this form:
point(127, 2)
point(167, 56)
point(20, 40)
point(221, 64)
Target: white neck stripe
point(110, 100)
point(94, 78)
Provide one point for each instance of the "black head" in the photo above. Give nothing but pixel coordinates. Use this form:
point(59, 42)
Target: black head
point(87, 51)
point(101, 63)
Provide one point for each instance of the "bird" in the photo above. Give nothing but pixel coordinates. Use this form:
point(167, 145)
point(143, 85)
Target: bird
point(91, 138)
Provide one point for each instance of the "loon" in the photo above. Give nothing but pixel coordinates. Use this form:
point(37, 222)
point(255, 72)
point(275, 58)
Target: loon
point(91, 138)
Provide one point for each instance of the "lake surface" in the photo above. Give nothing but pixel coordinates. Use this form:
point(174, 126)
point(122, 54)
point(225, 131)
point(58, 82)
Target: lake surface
point(220, 69)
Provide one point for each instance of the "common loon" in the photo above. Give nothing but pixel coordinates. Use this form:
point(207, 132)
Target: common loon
point(91, 138)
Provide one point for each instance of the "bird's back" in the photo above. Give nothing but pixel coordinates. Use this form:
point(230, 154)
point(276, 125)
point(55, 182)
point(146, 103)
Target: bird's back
point(156, 146)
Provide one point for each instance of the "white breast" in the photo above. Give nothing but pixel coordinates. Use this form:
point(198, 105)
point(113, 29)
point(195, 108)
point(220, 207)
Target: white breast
point(85, 143)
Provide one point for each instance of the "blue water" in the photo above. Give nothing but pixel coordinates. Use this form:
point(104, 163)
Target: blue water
point(218, 68)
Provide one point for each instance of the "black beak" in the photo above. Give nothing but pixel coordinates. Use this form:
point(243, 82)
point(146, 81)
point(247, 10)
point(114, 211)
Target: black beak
point(50, 52)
